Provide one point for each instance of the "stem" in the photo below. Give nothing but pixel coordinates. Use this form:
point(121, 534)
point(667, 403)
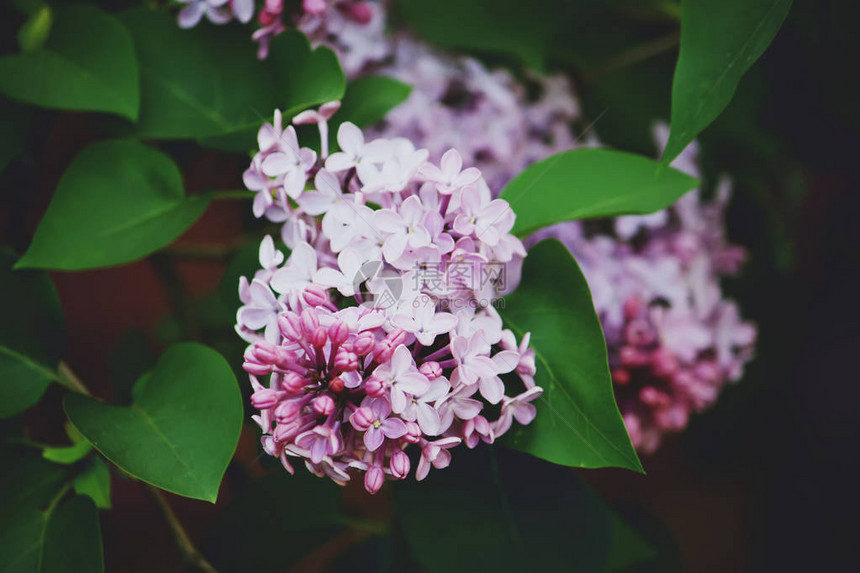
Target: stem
point(233, 195)
point(635, 55)
point(70, 380)
point(190, 554)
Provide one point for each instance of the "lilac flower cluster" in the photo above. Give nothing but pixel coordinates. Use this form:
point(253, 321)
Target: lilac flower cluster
point(673, 339)
point(367, 350)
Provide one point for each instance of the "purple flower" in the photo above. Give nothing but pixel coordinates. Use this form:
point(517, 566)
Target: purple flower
point(381, 425)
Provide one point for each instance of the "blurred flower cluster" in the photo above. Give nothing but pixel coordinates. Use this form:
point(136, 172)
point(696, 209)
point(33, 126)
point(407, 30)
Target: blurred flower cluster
point(674, 340)
point(378, 331)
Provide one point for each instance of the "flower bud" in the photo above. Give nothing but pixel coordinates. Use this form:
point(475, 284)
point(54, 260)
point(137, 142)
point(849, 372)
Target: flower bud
point(374, 387)
point(399, 464)
point(373, 479)
point(285, 432)
point(345, 361)
point(293, 383)
point(383, 350)
point(310, 322)
point(290, 326)
point(287, 411)
point(621, 376)
point(431, 370)
point(265, 398)
point(265, 352)
point(323, 405)
point(256, 369)
point(359, 12)
point(319, 337)
point(336, 384)
point(362, 418)
point(315, 296)
point(413, 433)
point(664, 362)
point(364, 343)
point(397, 337)
point(338, 332)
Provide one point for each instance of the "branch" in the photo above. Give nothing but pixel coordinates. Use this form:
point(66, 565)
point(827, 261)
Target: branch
point(190, 554)
point(70, 380)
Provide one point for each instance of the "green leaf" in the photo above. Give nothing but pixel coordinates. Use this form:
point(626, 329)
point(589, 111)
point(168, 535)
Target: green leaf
point(28, 480)
point(86, 64)
point(69, 454)
point(117, 202)
point(32, 336)
point(14, 130)
point(591, 183)
point(577, 423)
point(628, 548)
point(720, 40)
point(485, 25)
point(208, 82)
point(73, 539)
point(21, 538)
point(369, 98)
point(95, 483)
point(34, 33)
point(497, 510)
point(180, 432)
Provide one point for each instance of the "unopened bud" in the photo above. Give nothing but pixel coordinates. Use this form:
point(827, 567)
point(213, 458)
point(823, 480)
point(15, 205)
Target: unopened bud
point(431, 370)
point(399, 464)
point(323, 405)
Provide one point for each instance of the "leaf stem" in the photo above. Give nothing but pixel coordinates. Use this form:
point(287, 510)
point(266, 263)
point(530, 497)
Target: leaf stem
point(635, 55)
point(190, 554)
point(70, 380)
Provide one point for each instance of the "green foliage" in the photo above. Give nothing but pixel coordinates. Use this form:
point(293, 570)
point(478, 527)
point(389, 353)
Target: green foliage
point(208, 83)
point(295, 514)
point(69, 454)
point(32, 336)
point(73, 539)
point(493, 510)
point(591, 183)
point(577, 423)
point(181, 430)
point(28, 480)
point(369, 98)
point(117, 202)
point(94, 482)
point(92, 71)
point(484, 25)
point(720, 40)
point(35, 31)
point(21, 538)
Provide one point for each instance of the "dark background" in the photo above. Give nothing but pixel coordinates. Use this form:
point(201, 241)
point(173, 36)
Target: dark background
point(765, 481)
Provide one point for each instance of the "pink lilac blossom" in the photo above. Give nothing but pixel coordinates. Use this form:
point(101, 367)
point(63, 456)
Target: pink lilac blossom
point(378, 332)
point(674, 340)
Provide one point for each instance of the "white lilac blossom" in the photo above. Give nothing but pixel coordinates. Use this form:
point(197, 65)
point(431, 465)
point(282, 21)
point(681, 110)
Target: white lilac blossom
point(216, 11)
point(674, 341)
point(378, 332)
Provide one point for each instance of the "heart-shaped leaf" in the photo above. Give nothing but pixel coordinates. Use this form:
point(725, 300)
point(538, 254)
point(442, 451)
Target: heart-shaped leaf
point(87, 63)
point(577, 423)
point(590, 183)
point(73, 539)
point(720, 40)
point(209, 83)
point(32, 336)
point(117, 202)
point(181, 430)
